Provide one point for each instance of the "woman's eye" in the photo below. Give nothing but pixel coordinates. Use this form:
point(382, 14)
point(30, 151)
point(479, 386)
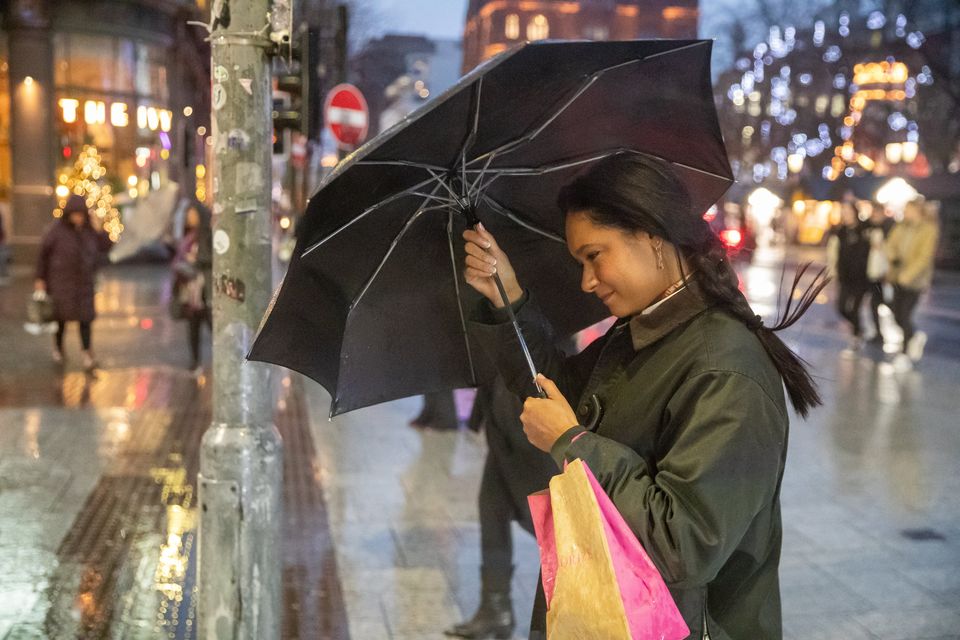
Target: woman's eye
point(592, 255)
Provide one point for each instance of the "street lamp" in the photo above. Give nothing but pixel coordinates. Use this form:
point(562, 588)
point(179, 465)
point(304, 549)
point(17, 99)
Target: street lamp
point(909, 149)
point(795, 162)
point(896, 193)
point(894, 152)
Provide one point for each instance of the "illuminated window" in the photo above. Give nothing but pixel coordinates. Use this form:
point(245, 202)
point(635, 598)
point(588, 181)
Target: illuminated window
point(596, 32)
point(539, 28)
point(511, 28)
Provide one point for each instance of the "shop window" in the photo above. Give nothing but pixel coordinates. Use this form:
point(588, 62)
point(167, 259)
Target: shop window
point(91, 62)
point(511, 27)
point(112, 93)
point(539, 28)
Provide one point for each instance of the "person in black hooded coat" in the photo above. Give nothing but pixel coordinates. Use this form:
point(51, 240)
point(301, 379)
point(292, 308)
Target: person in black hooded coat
point(70, 254)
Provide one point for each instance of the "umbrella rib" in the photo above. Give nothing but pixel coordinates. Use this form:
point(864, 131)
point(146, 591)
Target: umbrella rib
point(507, 213)
point(435, 198)
point(400, 163)
point(702, 43)
point(441, 181)
point(472, 137)
point(706, 173)
point(366, 212)
point(556, 166)
point(393, 245)
point(510, 146)
point(473, 188)
point(456, 285)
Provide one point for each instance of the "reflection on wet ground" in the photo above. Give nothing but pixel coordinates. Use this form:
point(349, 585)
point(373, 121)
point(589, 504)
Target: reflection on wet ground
point(97, 490)
point(98, 483)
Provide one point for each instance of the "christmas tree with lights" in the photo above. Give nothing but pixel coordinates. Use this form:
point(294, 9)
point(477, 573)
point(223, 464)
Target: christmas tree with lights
point(87, 179)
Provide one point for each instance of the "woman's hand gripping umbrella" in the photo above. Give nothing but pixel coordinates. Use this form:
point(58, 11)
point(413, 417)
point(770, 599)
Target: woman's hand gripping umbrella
point(546, 418)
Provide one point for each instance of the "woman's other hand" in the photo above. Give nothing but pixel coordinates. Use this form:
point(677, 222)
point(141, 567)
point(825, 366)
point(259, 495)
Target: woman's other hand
point(484, 259)
point(546, 419)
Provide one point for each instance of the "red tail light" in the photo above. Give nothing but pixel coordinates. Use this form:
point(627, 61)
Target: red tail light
point(731, 238)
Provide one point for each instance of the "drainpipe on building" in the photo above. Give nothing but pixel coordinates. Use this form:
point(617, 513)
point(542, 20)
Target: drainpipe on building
point(241, 462)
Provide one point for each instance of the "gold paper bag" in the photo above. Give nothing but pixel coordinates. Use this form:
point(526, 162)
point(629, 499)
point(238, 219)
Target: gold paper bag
point(586, 599)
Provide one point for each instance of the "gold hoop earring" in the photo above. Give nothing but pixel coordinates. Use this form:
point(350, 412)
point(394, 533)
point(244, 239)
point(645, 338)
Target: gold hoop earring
point(658, 249)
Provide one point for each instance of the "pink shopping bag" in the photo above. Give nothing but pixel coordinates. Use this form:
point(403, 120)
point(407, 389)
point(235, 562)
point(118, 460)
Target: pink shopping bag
point(597, 578)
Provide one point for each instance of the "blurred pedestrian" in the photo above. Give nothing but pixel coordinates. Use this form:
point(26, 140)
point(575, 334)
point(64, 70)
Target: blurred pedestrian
point(514, 469)
point(192, 268)
point(70, 254)
point(847, 251)
point(439, 412)
point(878, 227)
point(4, 250)
point(910, 249)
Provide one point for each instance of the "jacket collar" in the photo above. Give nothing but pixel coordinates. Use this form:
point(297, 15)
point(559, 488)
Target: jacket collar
point(677, 310)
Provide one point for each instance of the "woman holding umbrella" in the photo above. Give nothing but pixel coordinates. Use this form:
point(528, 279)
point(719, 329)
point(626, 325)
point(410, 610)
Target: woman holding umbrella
point(679, 410)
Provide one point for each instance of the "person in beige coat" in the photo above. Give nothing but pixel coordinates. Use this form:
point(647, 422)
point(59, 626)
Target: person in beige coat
point(911, 248)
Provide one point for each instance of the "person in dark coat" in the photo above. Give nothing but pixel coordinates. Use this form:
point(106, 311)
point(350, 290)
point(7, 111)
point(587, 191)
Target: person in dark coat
point(439, 412)
point(679, 410)
point(192, 268)
point(70, 254)
point(513, 469)
point(877, 228)
point(848, 251)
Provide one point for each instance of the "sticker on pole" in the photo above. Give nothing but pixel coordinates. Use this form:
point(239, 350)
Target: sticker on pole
point(346, 115)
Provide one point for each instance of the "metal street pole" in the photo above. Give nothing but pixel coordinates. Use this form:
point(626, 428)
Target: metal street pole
point(240, 481)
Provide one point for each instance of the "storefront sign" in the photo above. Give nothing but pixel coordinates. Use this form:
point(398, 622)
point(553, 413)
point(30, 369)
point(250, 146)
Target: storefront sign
point(95, 112)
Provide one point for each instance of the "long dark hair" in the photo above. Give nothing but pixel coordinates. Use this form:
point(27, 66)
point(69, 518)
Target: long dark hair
point(634, 192)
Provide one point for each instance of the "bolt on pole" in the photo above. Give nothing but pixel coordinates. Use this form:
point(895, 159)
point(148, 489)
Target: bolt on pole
point(241, 463)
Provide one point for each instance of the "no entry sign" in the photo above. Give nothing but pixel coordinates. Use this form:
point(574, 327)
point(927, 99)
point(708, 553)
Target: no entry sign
point(345, 113)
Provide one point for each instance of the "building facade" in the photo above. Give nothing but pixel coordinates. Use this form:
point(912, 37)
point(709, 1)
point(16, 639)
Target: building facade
point(493, 26)
point(128, 78)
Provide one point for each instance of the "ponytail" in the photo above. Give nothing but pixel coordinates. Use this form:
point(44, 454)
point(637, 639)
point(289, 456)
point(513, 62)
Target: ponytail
point(718, 281)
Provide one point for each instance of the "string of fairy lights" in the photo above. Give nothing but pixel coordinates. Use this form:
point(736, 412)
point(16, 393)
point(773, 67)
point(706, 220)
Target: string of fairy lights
point(87, 179)
point(821, 58)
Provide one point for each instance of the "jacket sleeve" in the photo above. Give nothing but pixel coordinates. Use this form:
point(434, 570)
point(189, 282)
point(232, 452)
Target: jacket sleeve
point(722, 466)
point(491, 329)
point(43, 259)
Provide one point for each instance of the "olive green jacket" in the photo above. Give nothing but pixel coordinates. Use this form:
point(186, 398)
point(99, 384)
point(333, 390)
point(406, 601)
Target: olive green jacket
point(690, 447)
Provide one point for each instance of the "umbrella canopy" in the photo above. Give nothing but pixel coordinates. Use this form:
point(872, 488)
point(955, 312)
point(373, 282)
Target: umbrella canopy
point(373, 305)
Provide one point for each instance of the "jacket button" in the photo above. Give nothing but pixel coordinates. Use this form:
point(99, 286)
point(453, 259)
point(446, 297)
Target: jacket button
point(584, 410)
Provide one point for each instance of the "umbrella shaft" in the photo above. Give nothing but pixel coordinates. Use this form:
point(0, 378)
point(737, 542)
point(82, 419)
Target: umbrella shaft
point(516, 327)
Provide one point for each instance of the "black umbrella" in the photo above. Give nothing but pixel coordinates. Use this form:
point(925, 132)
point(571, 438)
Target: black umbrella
point(373, 305)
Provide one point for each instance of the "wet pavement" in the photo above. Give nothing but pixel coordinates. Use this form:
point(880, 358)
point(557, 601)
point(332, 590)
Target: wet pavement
point(98, 479)
point(97, 488)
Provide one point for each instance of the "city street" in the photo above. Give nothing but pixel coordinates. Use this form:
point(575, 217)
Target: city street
point(98, 486)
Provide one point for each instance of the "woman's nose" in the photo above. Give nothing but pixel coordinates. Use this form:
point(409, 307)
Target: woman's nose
point(588, 282)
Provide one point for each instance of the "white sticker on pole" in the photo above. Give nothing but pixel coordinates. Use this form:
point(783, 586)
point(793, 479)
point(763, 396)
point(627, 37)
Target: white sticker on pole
point(221, 242)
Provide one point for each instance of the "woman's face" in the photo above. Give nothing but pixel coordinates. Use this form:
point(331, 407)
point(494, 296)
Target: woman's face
point(848, 214)
point(76, 218)
point(619, 267)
